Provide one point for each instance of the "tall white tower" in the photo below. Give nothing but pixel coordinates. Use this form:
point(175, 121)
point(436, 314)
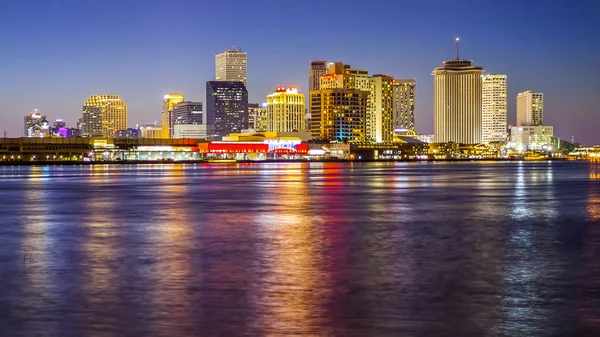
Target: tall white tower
point(230, 66)
point(530, 108)
point(494, 108)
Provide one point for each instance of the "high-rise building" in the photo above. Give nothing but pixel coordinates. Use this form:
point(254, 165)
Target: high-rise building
point(361, 77)
point(226, 107)
point(36, 125)
point(338, 110)
point(187, 113)
point(403, 103)
point(169, 102)
point(189, 121)
point(257, 116)
point(103, 115)
point(315, 71)
point(286, 110)
point(230, 66)
point(530, 108)
point(457, 102)
point(494, 108)
point(380, 110)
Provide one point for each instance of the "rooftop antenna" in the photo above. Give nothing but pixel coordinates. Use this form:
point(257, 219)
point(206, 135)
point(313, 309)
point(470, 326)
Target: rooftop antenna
point(457, 40)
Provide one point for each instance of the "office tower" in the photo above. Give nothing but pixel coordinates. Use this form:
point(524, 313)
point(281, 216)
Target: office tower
point(103, 115)
point(457, 102)
point(36, 125)
point(169, 101)
point(494, 108)
point(380, 117)
point(315, 71)
point(187, 113)
point(338, 110)
point(226, 107)
point(189, 121)
point(403, 103)
point(230, 66)
point(530, 108)
point(257, 116)
point(286, 111)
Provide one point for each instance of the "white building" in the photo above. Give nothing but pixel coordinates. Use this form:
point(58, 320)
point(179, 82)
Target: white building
point(403, 103)
point(494, 108)
point(151, 131)
point(530, 108)
point(230, 65)
point(531, 138)
point(457, 102)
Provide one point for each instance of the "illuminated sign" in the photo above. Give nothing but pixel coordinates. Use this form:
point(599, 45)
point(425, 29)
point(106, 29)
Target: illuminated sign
point(275, 144)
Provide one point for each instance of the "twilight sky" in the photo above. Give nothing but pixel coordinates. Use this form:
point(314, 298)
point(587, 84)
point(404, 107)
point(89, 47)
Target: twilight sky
point(55, 53)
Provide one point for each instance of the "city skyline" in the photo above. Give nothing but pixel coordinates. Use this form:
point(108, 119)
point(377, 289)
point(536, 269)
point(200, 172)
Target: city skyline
point(44, 78)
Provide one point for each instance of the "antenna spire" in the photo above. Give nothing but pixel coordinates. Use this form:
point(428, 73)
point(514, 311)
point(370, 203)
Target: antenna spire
point(457, 40)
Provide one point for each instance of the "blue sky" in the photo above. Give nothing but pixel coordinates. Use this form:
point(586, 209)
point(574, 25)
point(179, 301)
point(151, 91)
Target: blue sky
point(56, 53)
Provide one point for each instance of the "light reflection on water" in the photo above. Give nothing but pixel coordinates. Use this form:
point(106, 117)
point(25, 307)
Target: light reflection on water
point(316, 249)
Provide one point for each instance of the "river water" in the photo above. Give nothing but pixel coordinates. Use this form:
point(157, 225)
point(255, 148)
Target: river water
point(319, 249)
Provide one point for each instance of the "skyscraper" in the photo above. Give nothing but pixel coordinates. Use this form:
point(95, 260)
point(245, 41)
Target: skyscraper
point(286, 110)
point(315, 71)
point(530, 108)
point(338, 110)
point(494, 108)
point(169, 103)
point(189, 121)
point(457, 102)
point(230, 65)
point(403, 103)
point(380, 121)
point(103, 115)
point(227, 106)
point(35, 125)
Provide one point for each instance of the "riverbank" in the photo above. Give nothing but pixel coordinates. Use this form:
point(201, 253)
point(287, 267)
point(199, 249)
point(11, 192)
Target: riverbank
point(157, 162)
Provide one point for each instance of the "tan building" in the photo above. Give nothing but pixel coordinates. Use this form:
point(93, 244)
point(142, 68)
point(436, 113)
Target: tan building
point(457, 102)
point(338, 111)
point(380, 110)
point(169, 103)
point(230, 66)
point(530, 108)
point(403, 103)
point(494, 108)
point(103, 115)
point(151, 131)
point(286, 111)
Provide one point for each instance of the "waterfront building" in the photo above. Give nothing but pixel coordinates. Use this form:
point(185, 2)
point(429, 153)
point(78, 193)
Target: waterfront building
point(403, 104)
point(338, 111)
point(230, 66)
point(196, 131)
point(494, 108)
point(169, 102)
point(531, 138)
point(316, 69)
point(36, 125)
point(457, 102)
point(530, 108)
point(102, 115)
point(257, 116)
point(286, 110)
point(226, 107)
point(380, 112)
